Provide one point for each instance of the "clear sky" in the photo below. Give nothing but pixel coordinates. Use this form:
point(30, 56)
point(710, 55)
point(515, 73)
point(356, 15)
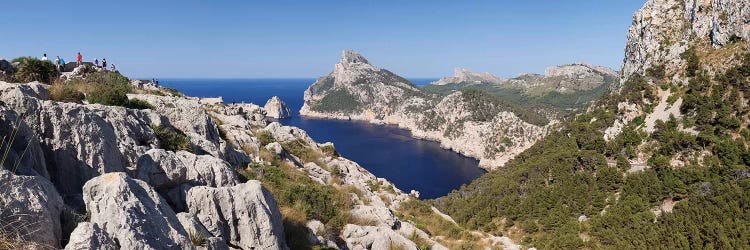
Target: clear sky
point(278, 39)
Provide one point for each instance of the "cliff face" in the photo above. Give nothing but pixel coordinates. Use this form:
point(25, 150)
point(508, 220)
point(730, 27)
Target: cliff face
point(663, 29)
point(468, 122)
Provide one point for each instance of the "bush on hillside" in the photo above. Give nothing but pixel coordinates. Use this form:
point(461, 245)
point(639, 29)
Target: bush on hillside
point(171, 140)
point(338, 101)
point(109, 94)
point(140, 104)
point(61, 92)
point(265, 138)
point(32, 69)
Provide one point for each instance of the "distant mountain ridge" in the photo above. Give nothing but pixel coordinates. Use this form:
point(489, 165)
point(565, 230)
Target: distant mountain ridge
point(566, 78)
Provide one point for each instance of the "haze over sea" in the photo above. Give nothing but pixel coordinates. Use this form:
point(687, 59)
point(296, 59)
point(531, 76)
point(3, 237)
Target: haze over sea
point(386, 151)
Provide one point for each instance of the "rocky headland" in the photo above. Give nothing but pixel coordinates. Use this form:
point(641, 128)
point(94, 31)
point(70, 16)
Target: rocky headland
point(451, 111)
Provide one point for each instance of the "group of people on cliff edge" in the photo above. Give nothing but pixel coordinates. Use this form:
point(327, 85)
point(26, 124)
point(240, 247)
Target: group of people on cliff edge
point(60, 62)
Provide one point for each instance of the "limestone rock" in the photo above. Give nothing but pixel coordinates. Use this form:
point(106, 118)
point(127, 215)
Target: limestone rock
point(192, 225)
point(215, 243)
point(190, 116)
point(316, 229)
point(131, 212)
point(90, 236)
point(246, 216)
point(165, 169)
point(276, 108)
point(30, 208)
point(83, 141)
point(25, 156)
point(663, 29)
point(287, 133)
point(376, 238)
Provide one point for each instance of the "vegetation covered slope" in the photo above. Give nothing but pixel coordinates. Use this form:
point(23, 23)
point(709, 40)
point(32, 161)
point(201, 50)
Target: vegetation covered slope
point(574, 189)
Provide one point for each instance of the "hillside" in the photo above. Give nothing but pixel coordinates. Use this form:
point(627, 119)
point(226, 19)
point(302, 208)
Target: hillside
point(661, 162)
point(477, 115)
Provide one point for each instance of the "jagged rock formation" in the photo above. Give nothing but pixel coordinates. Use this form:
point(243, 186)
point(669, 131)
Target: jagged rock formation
point(357, 90)
point(30, 209)
point(133, 213)
point(165, 169)
point(246, 215)
point(276, 108)
point(663, 29)
point(90, 236)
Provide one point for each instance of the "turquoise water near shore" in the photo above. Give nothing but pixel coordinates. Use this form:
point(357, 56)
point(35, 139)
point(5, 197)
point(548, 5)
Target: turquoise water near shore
point(386, 151)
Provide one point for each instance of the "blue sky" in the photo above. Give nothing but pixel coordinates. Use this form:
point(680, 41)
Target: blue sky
point(273, 39)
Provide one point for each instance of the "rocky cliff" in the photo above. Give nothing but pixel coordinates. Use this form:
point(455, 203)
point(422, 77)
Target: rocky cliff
point(183, 173)
point(663, 29)
point(461, 119)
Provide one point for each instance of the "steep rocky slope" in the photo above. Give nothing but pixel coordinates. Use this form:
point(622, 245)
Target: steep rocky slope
point(662, 30)
point(467, 113)
point(661, 162)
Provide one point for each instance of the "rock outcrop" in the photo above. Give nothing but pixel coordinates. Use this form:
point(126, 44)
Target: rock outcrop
point(245, 216)
point(133, 213)
point(276, 108)
point(663, 29)
point(30, 209)
point(82, 141)
point(90, 236)
point(369, 237)
point(165, 169)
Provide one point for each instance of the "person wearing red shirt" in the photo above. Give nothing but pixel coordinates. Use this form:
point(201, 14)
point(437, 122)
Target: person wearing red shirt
point(80, 59)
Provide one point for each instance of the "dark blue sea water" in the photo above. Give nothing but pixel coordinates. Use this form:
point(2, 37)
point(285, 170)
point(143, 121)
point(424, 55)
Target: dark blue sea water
point(386, 151)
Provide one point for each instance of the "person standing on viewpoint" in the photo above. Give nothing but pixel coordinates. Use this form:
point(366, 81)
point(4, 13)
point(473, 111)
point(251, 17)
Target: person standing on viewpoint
point(44, 58)
point(57, 63)
point(104, 63)
point(80, 59)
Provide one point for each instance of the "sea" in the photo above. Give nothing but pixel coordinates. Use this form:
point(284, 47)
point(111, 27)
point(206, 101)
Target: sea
point(386, 151)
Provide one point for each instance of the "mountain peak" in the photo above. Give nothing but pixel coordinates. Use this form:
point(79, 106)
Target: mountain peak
point(351, 56)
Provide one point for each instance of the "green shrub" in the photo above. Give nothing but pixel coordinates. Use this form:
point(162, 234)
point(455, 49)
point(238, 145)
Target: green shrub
point(338, 101)
point(172, 140)
point(32, 69)
point(138, 104)
point(300, 149)
point(109, 95)
point(693, 62)
point(197, 238)
point(265, 137)
point(65, 93)
point(329, 150)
